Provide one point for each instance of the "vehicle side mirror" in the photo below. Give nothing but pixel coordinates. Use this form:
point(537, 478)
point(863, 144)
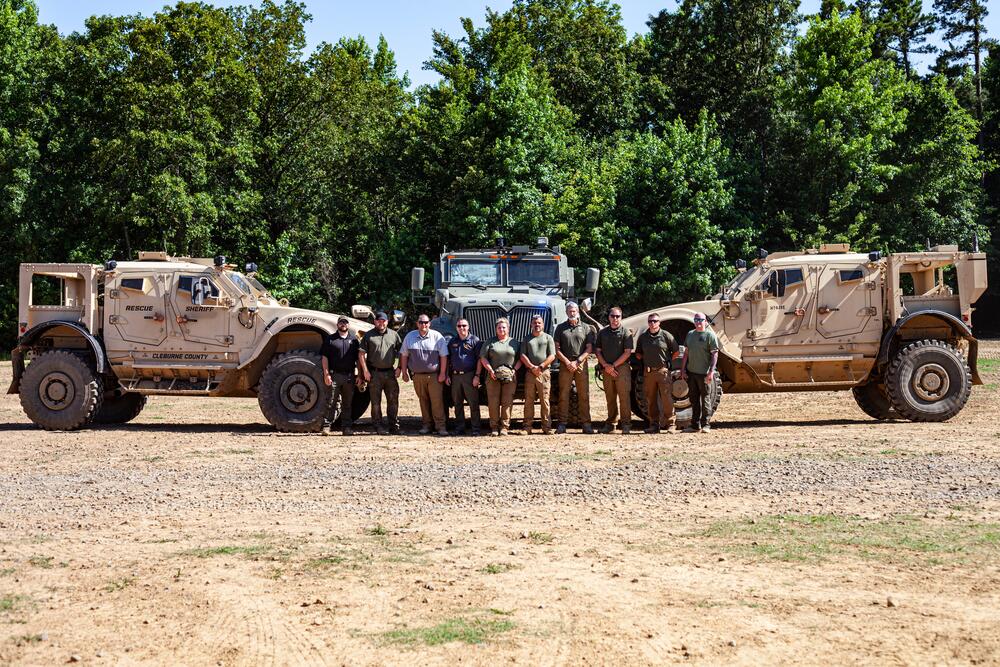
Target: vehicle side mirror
point(251, 268)
point(200, 290)
point(586, 305)
point(362, 312)
point(440, 297)
point(593, 280)
point(741, 265)
point(417, 279)
point(398, 317)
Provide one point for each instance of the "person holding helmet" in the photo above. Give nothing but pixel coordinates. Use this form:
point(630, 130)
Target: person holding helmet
point(499, 358)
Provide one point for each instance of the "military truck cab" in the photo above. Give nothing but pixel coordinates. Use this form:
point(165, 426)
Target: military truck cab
point(516, 282)
point(109, 336)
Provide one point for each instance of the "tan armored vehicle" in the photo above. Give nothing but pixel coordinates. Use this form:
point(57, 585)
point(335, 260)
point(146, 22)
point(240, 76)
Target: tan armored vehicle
point(895, 330)
point(99, 340)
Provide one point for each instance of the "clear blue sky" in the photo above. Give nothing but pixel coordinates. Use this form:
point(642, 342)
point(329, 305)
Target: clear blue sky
point(406, 24)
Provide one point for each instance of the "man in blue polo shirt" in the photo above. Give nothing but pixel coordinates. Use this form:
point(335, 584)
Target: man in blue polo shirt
point(463, 375)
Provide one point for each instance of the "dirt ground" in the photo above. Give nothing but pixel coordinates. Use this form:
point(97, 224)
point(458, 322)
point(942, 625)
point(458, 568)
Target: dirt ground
point(798, 531)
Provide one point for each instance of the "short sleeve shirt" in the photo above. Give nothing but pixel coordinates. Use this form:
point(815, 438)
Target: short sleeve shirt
point(341, 352)
point(572, 339)
point(700, 345)
point(463, 355)
point(424, 352)
point(657, 349)
point(538, 348)
point(613, 342)
point(500, 352)
point(381, 349)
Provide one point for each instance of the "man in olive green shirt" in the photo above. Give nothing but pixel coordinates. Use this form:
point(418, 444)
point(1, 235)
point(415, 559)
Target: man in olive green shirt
point(701, 353)
point(538, 352)
point(377, 359)
point(574, 343)
point(656, 348)
point(614, 348)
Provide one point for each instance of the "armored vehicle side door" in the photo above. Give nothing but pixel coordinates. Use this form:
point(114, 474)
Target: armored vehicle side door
point(780, 305)
point(137, 311)
point(207, 323)
point(848, 302)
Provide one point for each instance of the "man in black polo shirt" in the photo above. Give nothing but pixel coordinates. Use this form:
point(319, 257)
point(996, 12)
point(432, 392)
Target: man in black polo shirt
point(463, 375)
point(340, 360)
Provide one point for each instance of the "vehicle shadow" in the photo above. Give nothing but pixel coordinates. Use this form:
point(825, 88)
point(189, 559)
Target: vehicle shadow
point(774, 423)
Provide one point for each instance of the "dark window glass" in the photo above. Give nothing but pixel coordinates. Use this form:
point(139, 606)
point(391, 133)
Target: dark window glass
point(781, 279)
point(132, 283)
point(847, 275)
point(184, 285)
point(538, 272)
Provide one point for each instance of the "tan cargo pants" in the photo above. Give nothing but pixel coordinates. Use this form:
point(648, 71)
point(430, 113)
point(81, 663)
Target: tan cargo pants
point(500, 399)
point(582, 377)
point(618, 392)
point(537, 387)
point(431, 399)
point(658, 388)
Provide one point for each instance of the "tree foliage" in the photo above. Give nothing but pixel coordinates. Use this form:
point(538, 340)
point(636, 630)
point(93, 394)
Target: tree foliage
point(660, 158)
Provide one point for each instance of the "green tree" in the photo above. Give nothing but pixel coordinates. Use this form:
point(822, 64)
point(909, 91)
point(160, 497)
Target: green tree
point(906, 28)
point(962, 20)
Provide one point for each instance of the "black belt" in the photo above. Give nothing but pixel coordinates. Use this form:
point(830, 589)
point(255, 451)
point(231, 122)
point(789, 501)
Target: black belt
point(424, 373)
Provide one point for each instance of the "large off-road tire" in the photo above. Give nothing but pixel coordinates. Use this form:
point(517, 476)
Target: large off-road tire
point(573, 418)
point(120, 408)
point(292, 393)
point(679, 389)
point(60, 391)
point(928, 381)
point(874, 401)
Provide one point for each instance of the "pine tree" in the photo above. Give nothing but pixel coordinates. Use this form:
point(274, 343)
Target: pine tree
point(906, 28)
point(963, 20)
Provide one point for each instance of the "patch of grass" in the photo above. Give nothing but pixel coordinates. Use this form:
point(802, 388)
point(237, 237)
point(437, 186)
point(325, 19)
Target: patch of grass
point(988, 365)
point(246, 550)
point(275, 573)
point(460, 629)
point(44, 562)
point(815, 538)
point(499, 568)
point(24, 640)
point(378, 530)
point(239, 451)
point(352, 559)
point(119, 584)
point(162, 540)
point(151, 459)
point(11, 603)
point(501, 612)
point(7, 571)
point(540, 538)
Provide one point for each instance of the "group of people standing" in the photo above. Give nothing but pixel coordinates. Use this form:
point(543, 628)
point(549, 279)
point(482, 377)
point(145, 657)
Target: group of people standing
point(464, 362)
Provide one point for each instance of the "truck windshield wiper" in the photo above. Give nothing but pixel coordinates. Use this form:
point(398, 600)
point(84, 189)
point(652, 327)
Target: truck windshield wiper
point(529, 284)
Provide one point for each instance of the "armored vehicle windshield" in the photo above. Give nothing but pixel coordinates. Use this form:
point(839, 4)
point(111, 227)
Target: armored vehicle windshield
point(499, 271)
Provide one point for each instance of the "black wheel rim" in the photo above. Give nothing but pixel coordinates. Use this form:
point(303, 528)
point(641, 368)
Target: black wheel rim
point(57, 391)
point(299, 393)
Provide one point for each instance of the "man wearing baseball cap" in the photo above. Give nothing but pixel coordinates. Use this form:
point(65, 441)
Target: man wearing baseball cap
point(377, 361)
point(340, 359)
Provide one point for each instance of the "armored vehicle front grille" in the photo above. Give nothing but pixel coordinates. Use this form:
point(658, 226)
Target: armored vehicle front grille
point(482, 320)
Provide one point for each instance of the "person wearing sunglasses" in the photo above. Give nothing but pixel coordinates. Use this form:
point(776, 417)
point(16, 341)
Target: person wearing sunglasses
point(425, 357)
point(656, 348)
point(701, 354)
point(463, 375)
point(614, 348)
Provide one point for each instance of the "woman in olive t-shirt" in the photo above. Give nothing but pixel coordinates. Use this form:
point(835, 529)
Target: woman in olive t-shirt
point(500, 352)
